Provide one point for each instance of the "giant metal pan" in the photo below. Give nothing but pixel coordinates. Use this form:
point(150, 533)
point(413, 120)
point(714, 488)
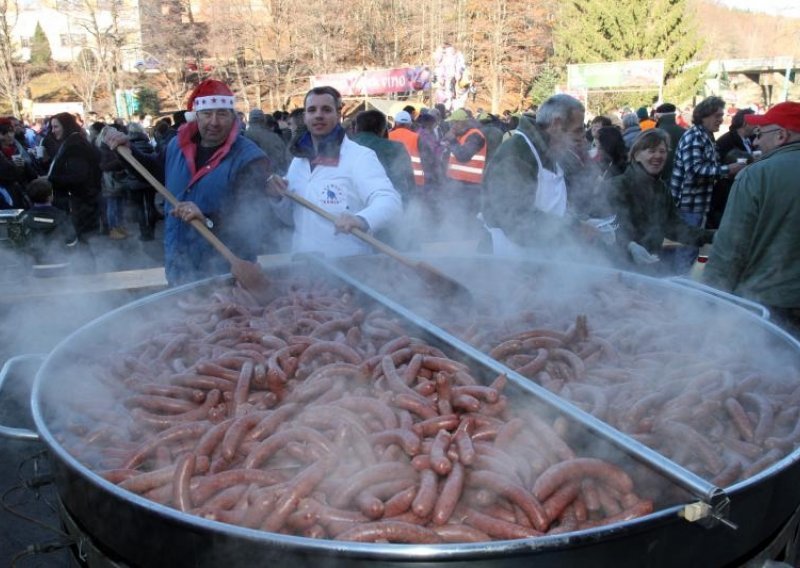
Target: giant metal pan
point(143, 533)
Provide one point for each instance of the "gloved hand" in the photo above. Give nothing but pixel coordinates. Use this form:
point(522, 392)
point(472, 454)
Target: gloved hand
point(640, 255)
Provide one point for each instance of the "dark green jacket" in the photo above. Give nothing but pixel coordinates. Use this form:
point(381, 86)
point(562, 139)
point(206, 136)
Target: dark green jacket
point(510, 182)
point(646, 212)
point(756, 252)
point(394, 158)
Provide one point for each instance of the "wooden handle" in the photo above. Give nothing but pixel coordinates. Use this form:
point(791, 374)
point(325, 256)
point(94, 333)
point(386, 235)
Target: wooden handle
point(125, 152)
point(366, 237)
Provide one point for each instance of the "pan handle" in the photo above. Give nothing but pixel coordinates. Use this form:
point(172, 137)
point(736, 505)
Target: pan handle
point(758, 309)
point(7, 431)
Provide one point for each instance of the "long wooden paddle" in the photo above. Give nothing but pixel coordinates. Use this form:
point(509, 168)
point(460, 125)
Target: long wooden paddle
point(249, 274)
point(435, 278)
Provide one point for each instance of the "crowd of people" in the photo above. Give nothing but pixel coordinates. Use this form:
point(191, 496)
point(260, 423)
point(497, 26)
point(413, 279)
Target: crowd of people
point(624, 189)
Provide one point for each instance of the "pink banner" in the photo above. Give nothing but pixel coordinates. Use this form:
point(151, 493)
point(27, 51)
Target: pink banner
point(375, 82)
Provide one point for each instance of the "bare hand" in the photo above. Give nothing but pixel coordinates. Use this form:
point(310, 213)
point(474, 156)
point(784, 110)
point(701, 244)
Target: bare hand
point(346, 222)
point(187, 211)
point(276, 186)
point(115, 138)
point(735, 168)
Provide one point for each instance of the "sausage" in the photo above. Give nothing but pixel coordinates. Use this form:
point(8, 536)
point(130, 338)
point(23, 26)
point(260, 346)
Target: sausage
point(558, 501)
point(236, 432)
point(242, 389)
point(442, 364)
point(740, 419)
point(415, 404)
point(262, 452)
point(640, 509)
point(391, 531)
point(532, 368)
point(460, 533)
point(515, 493)
point(302, 485)
point(766, 415)
point(406, 439)
point(370, 506)
point(184, 469)
point(576, 470)
point(365, 404)
point(508, 432)
point(433, 425)
point(212, 438)
point(162, 421)
point(425, 499)
point(494, 527)
point(439, 462)
point(171, 391)
point(412, 370)
point(377, 473)
point(272, 420)
point(171, 435)
point(209, 485)
point(400, 502)
point(449, 495)
point(466, 451)
point(161, 404)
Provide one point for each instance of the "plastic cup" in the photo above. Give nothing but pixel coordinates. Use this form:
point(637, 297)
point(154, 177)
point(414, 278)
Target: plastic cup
point(40, 152)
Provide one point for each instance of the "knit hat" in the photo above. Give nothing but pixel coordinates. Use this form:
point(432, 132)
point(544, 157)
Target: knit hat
point(402, 117)
point(208, 95)
point(256, 115)
point(642, 113)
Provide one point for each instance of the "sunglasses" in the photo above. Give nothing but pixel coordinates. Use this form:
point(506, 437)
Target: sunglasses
point(762, 132)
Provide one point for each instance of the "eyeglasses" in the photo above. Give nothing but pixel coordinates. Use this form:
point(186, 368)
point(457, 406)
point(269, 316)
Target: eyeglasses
point(762, 132)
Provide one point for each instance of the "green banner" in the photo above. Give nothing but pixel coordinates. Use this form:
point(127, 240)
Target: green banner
point(616, 75)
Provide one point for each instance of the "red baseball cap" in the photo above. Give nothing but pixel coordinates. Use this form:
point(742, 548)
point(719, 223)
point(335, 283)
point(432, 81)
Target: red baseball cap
point(786, 115)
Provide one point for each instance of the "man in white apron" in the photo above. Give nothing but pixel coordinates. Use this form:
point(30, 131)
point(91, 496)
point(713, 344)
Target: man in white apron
point(525, 202)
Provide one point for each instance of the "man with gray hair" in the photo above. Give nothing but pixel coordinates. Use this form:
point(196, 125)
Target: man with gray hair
point(525, 200)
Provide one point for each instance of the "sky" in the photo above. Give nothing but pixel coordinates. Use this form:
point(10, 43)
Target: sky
point(776, 7)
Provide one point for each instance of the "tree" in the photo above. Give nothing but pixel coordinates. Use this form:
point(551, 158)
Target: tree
point(13, 75)
point(148, 101)
point(41, 55)
point(543, 85)
point(596, 31)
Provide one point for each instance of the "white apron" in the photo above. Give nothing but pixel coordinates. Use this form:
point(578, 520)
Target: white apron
point(551, 197)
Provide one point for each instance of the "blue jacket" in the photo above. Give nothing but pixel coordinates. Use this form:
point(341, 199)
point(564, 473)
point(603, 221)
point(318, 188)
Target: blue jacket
point(215, 190)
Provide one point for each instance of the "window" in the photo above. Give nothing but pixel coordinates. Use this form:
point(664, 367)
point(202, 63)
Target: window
point(25, 41)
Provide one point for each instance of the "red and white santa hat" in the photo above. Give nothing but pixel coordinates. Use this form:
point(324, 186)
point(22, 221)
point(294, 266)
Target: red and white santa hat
point(210, 94)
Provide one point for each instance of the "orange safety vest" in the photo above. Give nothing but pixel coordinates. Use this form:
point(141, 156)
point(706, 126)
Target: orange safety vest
point(471, 171)
point(410, 140)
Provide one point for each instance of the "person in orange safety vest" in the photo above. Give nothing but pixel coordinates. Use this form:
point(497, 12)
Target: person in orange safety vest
point(467, 147)
point(403, 133)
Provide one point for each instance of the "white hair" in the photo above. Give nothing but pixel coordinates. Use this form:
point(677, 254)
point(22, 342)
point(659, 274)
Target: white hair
point(558, 106)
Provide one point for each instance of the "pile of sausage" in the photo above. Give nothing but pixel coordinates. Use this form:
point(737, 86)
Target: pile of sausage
point(709, 404)
point(311, 416)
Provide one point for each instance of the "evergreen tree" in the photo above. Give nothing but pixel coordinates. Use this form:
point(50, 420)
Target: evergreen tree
point(41, 55)
point(596, 31)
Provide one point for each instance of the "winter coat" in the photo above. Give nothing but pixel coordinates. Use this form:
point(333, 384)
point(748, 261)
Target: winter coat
point(646, 213)
point(755, 253)
point(343, 177)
